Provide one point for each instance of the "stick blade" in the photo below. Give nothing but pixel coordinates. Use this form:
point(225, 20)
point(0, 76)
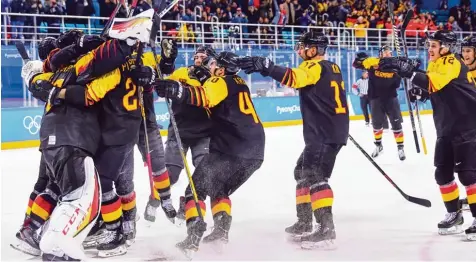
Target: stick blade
point(390, 7)
point(407, 19)
point(419, 201)
point(22, 50)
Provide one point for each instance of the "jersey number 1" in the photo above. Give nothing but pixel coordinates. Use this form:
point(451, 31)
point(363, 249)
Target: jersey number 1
point(339, 109)
point(246, 107)
point(128, 103)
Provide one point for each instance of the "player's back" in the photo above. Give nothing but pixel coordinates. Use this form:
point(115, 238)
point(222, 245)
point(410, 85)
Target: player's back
point(324, 105)
point(382, 83)
point(453, 95)
point(237, 128)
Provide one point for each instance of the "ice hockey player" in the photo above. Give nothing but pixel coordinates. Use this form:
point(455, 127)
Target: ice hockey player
point(194, 126)
point(325, 128)
point(382, 93)
point(452, 91)
point(236, 146)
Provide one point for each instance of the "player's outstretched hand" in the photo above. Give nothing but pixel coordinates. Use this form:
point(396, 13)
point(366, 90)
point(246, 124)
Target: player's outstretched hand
point(255, 64)
point(169, 49)
point(143, 76)
point(359, 60)
point(88, 43)
point(402, 65)
point(169, 89)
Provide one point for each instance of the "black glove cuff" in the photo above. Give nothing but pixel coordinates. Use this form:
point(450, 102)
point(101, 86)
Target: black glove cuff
point(167, 65)
point(75, 95)
point(278, 73)
point(420, 79)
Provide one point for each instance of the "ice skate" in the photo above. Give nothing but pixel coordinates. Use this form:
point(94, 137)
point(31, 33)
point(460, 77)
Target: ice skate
point(378, 150)
point(27, 241)
point(194, 234)
point(323, 237)
point(471, 231)
point(367, 124)
point(401, 153)
point(113, 245)
point(151, 210)
point(129, 229)
point(451, 224)
point(222, 224)
point(169, 210)
point(51, 257)
point(95, 236)
point(298, 230)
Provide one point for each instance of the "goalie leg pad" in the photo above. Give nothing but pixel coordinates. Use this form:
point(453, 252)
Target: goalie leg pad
point(75, 214)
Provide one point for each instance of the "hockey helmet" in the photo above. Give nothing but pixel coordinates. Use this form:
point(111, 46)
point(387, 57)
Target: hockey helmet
point(446, 38)
point(45, 46)
point(226, 60)
point(313, 39)
point(69, 37)
point(206, 50)
point(384, 48)
point(469, 41)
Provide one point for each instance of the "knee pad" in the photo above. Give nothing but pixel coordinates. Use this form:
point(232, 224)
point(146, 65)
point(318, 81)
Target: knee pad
point(74, 216)
point(467, 178)
point(444, 175)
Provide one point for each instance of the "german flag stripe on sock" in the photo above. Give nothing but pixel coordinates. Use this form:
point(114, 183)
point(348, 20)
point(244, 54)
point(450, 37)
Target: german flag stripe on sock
point(378, 134)
point(111, 210)
point(221, 205)
point(191, 209)
point(449, 191)
point(471, 193)
point(303, 196)
point(43, 207)
point(128, 201)
point(398, 136)
point(31, 200)
point(162, 185)
point(322, 198)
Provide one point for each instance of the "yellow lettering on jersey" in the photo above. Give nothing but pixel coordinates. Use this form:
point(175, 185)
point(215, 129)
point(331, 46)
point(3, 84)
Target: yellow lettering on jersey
point(239, 80)
point(128, 103)
point(335, 69)
point(58, 83)
point(246, 107)
point(442, 71)
point(339, 109)
point(384, 74)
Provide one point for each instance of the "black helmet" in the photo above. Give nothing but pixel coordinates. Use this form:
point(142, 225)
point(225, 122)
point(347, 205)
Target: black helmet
point(226, 60)
point(313, 39)
point(206, 50)
point(469, 41)
point(45, 46)
point(383, 49)
point(69, 37)
point(446, 38)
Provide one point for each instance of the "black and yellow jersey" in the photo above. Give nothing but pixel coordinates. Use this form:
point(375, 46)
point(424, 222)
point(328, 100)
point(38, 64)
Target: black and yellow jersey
point(323, 101)
point(452, 91)
point(192, 122)
point(382, 84)
point(237, 129)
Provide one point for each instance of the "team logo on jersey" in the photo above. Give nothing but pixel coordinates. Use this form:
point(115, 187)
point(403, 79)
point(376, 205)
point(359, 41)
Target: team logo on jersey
point(32, 124)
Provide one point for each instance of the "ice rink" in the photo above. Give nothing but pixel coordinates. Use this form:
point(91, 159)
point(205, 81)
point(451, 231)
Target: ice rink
point(373, 221)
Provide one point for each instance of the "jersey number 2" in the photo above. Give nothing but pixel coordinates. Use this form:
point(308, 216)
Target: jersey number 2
point(246, 107)
point(129, 102)
point(339, 109)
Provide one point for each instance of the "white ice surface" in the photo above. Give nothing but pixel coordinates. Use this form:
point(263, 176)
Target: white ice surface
point(373, 221)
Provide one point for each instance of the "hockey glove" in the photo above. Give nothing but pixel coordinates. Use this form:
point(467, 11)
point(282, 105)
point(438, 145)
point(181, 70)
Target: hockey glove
point(143, 76)
point(40, 89)
point(252, 64)
point(402, 65)
point(69, 38)
point(87, 43)
point(169, 89)
point(31, 69)
point(200, 73)
point(359, 60)
point(418, 93)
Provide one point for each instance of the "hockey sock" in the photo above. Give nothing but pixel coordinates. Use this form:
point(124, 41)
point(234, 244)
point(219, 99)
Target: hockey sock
point(129, 211)
point(41, 209)
point(450, 194)
point(111, 210)
point(32, 198)
point(161, 184)
point(303, 203)
point(378, 136)
point(398, 134)
point(221, 205)
point(471, 193)
point(191, 212)
point(322, 199)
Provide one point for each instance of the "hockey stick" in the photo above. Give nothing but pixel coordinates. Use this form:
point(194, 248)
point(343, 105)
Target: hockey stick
point(399, 53)
point(405, 51)
point(415, 200)
point(174, 125)
point(22, 51)
point(108, 25)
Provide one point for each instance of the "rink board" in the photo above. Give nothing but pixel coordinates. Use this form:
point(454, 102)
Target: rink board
point(20, 126)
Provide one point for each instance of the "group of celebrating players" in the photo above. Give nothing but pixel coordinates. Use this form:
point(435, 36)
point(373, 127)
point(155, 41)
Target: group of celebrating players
point(99, 96)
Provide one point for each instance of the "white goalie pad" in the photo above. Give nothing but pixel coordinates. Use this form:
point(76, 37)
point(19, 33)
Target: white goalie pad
point(73, 217)
point(30, 69)
point(135, 28)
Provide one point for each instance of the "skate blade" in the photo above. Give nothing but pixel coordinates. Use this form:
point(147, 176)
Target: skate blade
point(321, 245)
point(179, 222)
point(24, 247)
point(129, 242)
point(465, 207)
point(458, 229)
point(188, 253)
point(471, 237)
point(217, 245)
point(171, 219)
point(118, 251)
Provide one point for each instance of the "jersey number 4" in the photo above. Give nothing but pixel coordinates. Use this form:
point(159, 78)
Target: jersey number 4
point(246, 107)
point(339, 109)
point(128, 101)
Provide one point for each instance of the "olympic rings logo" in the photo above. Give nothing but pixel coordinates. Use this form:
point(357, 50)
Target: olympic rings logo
point(32, 124)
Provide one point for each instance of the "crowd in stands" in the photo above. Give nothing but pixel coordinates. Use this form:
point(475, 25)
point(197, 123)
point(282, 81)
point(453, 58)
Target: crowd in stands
point(357, 14)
